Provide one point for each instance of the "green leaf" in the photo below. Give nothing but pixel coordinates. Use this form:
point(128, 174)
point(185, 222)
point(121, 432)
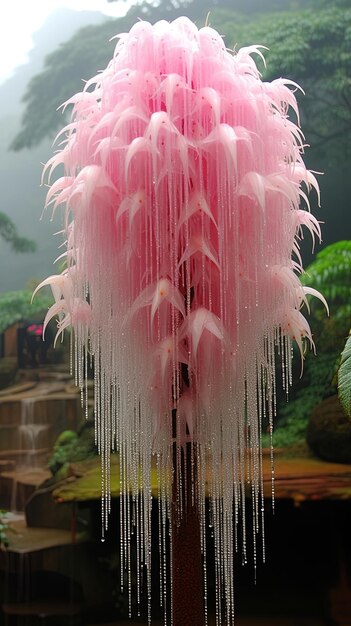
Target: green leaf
point(344, 378)
point(16, 306)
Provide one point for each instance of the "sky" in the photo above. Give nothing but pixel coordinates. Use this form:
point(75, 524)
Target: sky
point(20, 18)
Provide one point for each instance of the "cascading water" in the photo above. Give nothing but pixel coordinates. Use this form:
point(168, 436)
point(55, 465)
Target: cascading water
point(30, 423)
point(32, 446)
point(31, 435)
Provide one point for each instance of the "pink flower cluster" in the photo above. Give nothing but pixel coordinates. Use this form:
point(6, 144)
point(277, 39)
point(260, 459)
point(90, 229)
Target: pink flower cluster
point(182, 186)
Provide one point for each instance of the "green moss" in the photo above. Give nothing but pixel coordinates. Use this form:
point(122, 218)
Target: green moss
point(84, 481)
point(65, 438)
point(71, 447)
point(17, 306)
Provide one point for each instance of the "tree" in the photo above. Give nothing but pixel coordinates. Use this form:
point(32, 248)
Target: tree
point(250, 6)
point(73, 61)
point(9, 233)
point(313, 49)
point(310, 47)
point(15, 306)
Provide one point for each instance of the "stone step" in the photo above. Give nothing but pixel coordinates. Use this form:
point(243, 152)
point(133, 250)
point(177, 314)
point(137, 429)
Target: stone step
point(16, 453)
point(27, 459)
point(61, 409)
point(6, 465)
point(18, 388)
point(29, 476)
point(18, 486)
point(31, 436)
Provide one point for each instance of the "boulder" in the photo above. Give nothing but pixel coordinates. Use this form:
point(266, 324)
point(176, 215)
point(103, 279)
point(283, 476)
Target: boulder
point(329, 431)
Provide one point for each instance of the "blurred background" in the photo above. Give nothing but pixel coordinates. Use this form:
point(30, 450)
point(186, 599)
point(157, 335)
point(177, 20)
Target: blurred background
point(48, 47)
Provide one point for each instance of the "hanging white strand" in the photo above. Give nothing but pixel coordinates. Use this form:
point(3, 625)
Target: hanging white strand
point(182, 176)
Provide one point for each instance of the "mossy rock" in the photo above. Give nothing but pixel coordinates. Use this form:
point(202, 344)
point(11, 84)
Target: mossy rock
point(329, 431)
point(70, 447)
point(83, 481)
point(67, 436)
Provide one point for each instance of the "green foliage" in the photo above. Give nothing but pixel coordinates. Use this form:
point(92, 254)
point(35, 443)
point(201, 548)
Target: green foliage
point(312, 48)
point(15, 306)
point(309, 46)
point(67, 437)
point(330, 273)
point(302, 43)
point(318, 382)
point(331, 270)
point(62, 451)
point(71, 447)
point(249, 7)
point(9, 233)
point(344, 378)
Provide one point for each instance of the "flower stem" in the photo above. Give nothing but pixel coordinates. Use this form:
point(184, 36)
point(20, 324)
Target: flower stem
point(187, 585)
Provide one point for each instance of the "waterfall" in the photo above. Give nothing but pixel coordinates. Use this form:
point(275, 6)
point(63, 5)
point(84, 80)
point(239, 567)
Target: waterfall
point(30, 433)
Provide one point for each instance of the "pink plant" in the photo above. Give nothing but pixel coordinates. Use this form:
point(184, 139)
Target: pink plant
point(182, 184)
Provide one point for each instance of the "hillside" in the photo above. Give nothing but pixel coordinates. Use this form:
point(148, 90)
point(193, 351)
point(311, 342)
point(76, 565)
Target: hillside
point(22, 198)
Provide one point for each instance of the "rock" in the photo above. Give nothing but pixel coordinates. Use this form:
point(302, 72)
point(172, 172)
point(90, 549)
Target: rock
point(329, 431)
point(71, 447)
point(8, 371)
point(42, 511)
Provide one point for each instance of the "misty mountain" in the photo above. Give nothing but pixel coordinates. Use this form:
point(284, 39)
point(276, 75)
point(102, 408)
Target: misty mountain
point(59, 27)
point(22, 198)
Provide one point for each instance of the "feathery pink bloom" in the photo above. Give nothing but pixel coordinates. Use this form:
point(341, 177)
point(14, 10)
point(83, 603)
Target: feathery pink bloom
point(182, 190)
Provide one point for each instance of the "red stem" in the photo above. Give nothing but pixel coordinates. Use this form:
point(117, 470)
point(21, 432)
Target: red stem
point(187, 597)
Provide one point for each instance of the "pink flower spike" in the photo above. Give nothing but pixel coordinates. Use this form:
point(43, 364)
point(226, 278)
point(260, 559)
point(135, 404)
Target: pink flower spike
point(185, 196)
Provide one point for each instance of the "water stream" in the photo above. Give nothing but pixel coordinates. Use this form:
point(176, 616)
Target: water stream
point(30, 422)
point(31, 435)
